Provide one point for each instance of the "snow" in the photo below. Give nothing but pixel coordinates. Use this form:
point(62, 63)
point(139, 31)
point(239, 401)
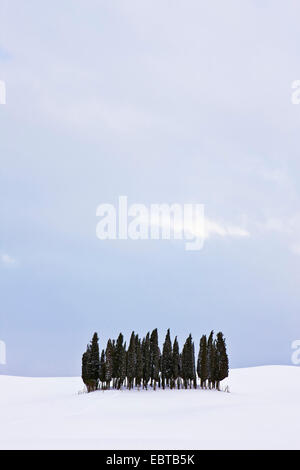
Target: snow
point(261, 412)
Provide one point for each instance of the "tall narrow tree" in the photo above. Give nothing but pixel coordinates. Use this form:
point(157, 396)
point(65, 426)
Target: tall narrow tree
point(175, 364)
point(120, 362)
point(211, 360)
point(85, 368)
point(146, 360)
point(184, 364)
point(139, 362)
point(202, 361)
point(109, 363)
point(131, 361)
point(166, 365)
point(221, 360)
point(95, 361)
point(154, 358)
point(188, 363)
point(102, 369)
point(193, 368)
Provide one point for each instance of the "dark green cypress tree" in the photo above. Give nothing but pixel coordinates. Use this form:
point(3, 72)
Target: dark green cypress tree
point(202, 361)
point(159, 366)
point(109, 363)
point(126, 356)
point(102, 374)
point(188, 363)
point(85, 372)
point(175, 364)
point(146, 360)
point(166, 364)
point(211, 360)
point(131, 361)
point(90, 365)
point(119, 361)
point(180, 370)
point(221, 360)
point(114, 368)
point(184, 364)
point(139, 362)
point(214, 377)
point(94, 362)
point(191, 361)
point(193, 368)
point(122, 367)
point(154, 358)
point(124, 364)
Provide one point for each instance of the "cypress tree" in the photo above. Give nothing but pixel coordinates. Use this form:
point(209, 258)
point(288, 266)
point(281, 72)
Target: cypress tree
point(202, 361)
point(184, 364)
point(85, 373)
point(102, 373)
point(90, 365)
point(180, 370)
point(94, 362)
point(122, 374)
point(211, 360)
point(188, 363)
point(154, 358)
point(175, 364)
point(146, 360)
point(119, 362)
point(191, 361)
point(114, 368)
point(109, 362)
point(124, 360)
point(131, 360)
point(139, 362)
point(166, 364)
point(193, 368)
point(159, 366)
point(221, 360)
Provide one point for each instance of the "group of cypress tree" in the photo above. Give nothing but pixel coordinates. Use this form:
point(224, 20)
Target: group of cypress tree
point(143, 364)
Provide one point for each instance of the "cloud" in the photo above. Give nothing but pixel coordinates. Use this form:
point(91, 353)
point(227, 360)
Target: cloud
point(276, 175)
point(213, 228)
point(205, 228)
point(7, 260)
point(186, 221)
point(286, 227)
point(97, 114)
point(295, 248)
point(277, 224)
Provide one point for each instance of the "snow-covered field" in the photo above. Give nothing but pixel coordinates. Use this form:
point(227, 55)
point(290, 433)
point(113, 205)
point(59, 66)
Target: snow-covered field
point(262, 411)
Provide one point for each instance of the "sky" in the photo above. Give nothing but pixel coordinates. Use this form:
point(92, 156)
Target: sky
point(164, 102)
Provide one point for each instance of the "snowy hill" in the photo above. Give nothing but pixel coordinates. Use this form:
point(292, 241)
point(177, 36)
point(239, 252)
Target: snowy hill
point(261, 412)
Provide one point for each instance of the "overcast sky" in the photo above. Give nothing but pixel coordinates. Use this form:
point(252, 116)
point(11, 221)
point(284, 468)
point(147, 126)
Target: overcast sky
point(162, 101)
